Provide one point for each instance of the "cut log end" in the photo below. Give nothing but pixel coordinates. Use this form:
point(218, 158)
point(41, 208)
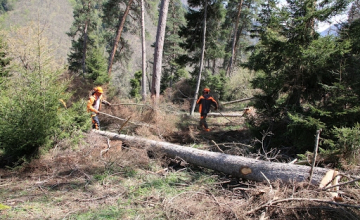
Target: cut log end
point(245, 170)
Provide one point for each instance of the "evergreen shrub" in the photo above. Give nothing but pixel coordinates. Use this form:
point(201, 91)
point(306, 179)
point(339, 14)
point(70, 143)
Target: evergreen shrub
point(348, 142)
point(33, 113)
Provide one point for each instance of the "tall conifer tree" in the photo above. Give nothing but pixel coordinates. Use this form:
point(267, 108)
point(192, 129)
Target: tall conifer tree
point(295, 68)
point(238, 22)
point(117, 15)
point(85, 34)
point(172, 50)
point(215, 41)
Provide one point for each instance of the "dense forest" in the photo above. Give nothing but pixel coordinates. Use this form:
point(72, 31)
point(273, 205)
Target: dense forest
point(164, 53)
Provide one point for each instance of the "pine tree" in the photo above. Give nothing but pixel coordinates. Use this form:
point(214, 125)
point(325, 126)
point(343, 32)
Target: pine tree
point(97, 66)
point(158, 51)
point(143, 52)
point(119, 30)
point(172, 51)
point(238, 21)
point(215, 41)
point(116, 21)
point(296, 68)
point(85, 33)
point(30, 101)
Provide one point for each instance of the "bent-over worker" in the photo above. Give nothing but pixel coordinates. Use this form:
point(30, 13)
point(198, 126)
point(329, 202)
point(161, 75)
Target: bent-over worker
point(205, 101)
point(94, 106)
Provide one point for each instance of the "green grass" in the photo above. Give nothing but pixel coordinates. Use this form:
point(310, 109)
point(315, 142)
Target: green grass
point(144, 194)
point(3, 207)
point(112, 212)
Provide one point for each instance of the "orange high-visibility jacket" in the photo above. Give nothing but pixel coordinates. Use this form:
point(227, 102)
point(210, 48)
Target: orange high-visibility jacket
point(205, 102)
point(92, 103)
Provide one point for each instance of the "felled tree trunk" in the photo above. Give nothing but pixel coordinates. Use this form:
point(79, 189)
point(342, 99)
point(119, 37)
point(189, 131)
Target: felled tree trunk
point(236, 101)
point(237, 166)
point(214, 114)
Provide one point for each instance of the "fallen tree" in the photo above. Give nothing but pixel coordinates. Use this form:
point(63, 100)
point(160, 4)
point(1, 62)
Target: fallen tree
point(236, 101)
point(236, 166)
point(214, 114)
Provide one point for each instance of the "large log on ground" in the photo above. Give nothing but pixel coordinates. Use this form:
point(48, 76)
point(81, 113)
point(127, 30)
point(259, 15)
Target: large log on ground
point(237, 166)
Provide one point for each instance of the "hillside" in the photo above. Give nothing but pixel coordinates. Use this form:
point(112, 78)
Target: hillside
point(55, 16)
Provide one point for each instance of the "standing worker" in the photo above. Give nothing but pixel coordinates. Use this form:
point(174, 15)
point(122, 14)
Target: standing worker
point(205, 101)
point(94, 106)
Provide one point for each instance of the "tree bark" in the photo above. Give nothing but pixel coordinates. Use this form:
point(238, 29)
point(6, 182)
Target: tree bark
point(201, 62)
point(235, 39)
point(213, 114)
point(118, 35)
point(160, 37)
point(83, 61)
point(236, 166)
point(143, 46)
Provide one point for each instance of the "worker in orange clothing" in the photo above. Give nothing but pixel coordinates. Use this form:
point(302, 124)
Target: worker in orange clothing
point(94, 106)
point(205, 101)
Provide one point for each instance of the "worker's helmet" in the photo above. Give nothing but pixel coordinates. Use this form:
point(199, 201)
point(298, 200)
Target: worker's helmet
point(206, 90)
point(98, 89)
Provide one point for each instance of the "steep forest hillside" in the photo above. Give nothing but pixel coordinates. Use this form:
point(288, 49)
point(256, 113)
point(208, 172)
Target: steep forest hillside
point(55, 19)
point(54, 16)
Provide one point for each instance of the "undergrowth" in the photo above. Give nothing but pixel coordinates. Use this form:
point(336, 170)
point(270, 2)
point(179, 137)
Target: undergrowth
point(96, 181)
point(101, 178)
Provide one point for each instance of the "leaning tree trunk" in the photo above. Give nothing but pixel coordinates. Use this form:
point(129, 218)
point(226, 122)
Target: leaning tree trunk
point(143, 52)
point(235, 39)
point(83, 61)
point(236, 101)
point(201, 62)
point(237, 166)
point(118, 36)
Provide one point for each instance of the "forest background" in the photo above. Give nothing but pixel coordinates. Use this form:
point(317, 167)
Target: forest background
point(300, 81)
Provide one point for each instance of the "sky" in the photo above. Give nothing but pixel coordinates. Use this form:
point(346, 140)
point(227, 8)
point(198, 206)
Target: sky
point(322, 26)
